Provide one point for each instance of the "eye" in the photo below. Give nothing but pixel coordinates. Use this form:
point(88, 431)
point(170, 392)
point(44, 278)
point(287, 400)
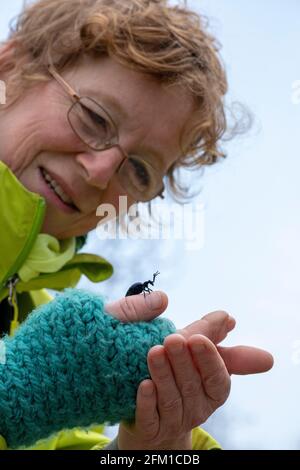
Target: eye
point(140, 172)
point(96, 118)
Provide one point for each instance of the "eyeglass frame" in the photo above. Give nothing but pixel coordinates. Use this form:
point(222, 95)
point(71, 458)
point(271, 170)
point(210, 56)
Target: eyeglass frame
point(75, 96)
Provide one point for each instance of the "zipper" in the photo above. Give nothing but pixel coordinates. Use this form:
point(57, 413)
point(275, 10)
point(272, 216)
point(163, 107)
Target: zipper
point(38, 220)
point(13, 302)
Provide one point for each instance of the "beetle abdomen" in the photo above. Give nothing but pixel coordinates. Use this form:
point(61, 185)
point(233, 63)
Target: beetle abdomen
point(136, 288)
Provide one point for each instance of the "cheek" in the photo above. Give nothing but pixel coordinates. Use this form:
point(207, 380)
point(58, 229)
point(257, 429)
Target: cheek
point(57, 135)
point(54, 137)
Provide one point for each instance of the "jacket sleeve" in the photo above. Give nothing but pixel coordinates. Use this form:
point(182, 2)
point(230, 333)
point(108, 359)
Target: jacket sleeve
point(94, 439)
point(73, 439)
point(201, 440)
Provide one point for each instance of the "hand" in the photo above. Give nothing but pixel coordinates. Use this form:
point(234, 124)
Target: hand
point(190, 380)
point(189, 386)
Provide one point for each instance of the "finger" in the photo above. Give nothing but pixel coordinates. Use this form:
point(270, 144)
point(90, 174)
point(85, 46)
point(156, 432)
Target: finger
point(146, 415)
point(188, 380)
point(168, 397)
point(242, 360)
point(138, 307)
point(215, 377)
point(214, 326)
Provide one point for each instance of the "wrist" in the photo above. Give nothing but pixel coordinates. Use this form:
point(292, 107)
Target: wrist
point(129, 439)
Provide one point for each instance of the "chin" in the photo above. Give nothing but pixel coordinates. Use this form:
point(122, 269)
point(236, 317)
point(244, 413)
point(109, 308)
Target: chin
point(56, 225)
point(61, 227)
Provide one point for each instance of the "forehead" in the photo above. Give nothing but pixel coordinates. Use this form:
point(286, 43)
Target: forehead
point(147, 113)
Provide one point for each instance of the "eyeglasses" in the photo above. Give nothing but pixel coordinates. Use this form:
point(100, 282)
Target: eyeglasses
point(96, 129)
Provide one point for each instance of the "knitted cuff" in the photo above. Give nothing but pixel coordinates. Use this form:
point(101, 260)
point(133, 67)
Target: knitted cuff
point(72, 364)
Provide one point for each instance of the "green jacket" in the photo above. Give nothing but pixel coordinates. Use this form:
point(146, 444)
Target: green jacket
point(21, 217)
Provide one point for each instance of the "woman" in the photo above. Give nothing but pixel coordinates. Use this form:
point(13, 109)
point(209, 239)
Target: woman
point(107, 98)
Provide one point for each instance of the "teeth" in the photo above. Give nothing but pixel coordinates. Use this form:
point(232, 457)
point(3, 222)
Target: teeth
point(56, 188)
point(46, 176)
point(62, 195)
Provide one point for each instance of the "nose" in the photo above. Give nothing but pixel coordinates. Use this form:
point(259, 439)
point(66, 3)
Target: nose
point(100, 166)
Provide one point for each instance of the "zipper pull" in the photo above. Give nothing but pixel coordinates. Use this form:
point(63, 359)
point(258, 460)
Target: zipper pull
point(12, 300)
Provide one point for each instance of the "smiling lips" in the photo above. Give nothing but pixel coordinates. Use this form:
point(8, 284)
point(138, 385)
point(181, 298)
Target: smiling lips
point(55, 186)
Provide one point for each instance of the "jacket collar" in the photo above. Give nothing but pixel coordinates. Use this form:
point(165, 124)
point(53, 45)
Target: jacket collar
point(21, 216)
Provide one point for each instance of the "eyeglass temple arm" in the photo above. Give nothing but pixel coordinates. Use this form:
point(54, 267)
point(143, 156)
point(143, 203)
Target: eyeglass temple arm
point(161, 193)
point(60, 80)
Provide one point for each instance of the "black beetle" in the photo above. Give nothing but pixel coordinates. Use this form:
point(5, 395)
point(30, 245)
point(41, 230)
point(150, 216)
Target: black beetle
point(139, 287)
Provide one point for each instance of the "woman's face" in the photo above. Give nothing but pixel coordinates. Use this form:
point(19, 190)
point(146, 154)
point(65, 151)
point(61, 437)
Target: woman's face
point(36, 135)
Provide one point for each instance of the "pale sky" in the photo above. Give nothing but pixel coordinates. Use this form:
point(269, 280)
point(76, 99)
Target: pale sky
point(249, 264)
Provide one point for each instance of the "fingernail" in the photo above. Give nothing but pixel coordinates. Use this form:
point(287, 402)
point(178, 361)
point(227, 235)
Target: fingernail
point(154, 300)
point(176, 348)
point(230, 322)
point(199, 347)
point(148, 390)
point(159, 360)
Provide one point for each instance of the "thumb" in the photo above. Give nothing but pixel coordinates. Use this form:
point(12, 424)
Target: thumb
point(136, 308)
point(242, 360)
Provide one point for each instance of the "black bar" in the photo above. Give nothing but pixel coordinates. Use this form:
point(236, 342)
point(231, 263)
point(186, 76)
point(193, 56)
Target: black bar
point(137, 459)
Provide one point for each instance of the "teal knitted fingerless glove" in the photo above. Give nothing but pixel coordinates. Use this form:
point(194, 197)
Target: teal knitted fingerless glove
point(72, 364)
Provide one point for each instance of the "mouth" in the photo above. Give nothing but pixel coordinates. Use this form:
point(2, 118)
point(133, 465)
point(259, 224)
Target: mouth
point(57, 192)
